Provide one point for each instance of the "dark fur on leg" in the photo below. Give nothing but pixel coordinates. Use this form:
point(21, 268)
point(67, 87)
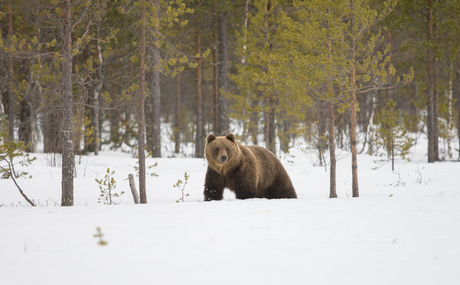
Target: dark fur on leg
point(214, 186)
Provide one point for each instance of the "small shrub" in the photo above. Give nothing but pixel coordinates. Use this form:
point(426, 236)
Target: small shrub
point(107, 185)
point(99, 235)
point(181, 186)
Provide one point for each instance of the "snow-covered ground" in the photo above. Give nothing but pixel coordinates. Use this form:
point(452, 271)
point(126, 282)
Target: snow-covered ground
point(404, 228)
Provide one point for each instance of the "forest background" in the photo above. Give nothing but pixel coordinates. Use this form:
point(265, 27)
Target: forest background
point(333, 72)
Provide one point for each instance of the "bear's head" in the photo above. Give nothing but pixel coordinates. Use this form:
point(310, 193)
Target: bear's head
point(222, 153)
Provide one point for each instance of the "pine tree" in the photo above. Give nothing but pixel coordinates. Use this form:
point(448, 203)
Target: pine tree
point(259, 95)
point(156, 16)
point(337, 54)
point(392, 135)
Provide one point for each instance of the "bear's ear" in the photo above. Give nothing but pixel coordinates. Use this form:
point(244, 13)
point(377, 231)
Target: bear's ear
point(231, 137)
point(210, 138)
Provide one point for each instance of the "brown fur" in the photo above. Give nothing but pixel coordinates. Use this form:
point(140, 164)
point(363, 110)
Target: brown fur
point(249, 171)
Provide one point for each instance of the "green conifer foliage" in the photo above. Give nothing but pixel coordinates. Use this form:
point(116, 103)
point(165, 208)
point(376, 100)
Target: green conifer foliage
point(392, 135)
point(259, 95)
point(336, 53)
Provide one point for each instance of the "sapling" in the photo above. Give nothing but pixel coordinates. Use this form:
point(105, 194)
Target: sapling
point(99, 235)
point(181, 186)
point(107, 185)
point(392, 136)
point(11, 153)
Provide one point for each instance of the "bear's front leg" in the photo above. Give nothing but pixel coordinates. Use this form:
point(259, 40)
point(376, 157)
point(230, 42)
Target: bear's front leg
point(214, 185)
point(245, 189)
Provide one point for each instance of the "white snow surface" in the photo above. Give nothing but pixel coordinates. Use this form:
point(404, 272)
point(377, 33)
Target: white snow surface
point(403, 229)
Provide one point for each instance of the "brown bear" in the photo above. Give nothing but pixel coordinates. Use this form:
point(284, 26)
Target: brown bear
point(249, 171)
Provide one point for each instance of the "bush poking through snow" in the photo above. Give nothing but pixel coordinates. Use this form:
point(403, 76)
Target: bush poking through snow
point(99, 235)
point(181, 186)
point(9, 150)
point(107, 185)
point(12, 153)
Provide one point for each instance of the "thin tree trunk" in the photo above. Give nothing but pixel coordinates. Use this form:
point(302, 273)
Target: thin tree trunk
point(34, 128)
point(435, 93)
point(371, 128)
point(449, 111)
point(254, 122)
point(97, 92)
point(25, 119)
point(68, 157)
point(353, 134)
point(253, 117)
point(141, 108)
point(333, 162)
point(429, 103)
point(149, 114)
point(10, 79)
point(215, 88)
point(435, 113)
point(89, 112)
point(457, 104)
point(199, 140)
point(392, 149)
point(223, 122)
point(25, 123)
point(177, 129)
point(322, 126)
point(270, 125)
point(332, 159)
point(156, 149)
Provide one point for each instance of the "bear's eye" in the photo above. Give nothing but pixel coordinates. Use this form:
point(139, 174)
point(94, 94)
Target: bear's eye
point(217, 149)
point(226, 150)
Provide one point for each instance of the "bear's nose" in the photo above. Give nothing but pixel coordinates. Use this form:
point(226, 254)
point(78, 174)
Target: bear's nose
point(223, 158)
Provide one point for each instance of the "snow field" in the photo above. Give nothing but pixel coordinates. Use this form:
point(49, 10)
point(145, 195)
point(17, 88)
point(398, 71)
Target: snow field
point(399, 231)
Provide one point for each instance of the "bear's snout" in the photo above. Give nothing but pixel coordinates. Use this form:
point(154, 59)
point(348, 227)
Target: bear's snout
point(223, 158)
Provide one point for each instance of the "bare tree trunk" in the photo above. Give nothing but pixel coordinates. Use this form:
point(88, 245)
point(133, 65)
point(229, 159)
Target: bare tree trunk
point(11, 80)
point(97, 92)
point(429, 103)
point(68, 157)
point(51, 125)
point(353, 134)
point(435, 113)
point(457, 104)
point(141, 108)
point(254, 122)
point(89, 112)
point(449, 111)
point(272, 127)
point(156, 148)
point(371, 127)
point(177, 129)
point(149, 114)
point(321, 131)
point(132, 186)
point(215, 88)
point(270, 134)
point(199, 140)
point(333, 162)
point(223, 123)
point(392, 151)
point(25, 131)
point(435, 92)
